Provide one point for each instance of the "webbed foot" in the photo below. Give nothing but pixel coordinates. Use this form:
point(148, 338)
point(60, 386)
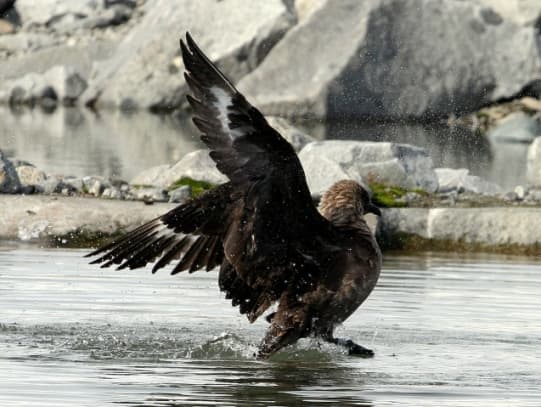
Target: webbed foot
point(353, 348)
point(358, 350)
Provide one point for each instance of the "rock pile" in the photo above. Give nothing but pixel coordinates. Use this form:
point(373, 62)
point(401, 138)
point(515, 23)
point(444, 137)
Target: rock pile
point(388, 59)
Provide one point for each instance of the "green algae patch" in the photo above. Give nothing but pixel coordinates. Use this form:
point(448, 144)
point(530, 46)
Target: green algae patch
point(388, 196)
point(198, 187)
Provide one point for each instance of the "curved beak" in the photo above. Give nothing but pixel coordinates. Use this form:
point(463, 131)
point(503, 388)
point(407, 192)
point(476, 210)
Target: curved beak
point(373, 209)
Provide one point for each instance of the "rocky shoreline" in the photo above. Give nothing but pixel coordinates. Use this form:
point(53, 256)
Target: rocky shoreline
point(389, 61)
point(425, 208)
point(57, 221)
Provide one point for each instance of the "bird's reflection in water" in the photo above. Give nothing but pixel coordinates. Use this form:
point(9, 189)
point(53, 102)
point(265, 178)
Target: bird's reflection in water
point(306, 377)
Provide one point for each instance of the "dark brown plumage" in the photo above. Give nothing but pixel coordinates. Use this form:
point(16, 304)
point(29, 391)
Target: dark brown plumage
point(262, 228)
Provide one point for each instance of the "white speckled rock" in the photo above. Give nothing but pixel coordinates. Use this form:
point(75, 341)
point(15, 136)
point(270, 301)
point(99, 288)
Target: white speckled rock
point(450, 179)
point(30, 175)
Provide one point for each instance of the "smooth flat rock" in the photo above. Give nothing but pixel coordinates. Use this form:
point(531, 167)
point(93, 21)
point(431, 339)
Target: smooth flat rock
point(396, 59)
point(30, 218)
point(489, 227)
point(41, 218)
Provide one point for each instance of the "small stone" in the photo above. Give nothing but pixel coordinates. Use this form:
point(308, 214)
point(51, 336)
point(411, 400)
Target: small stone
point(521, 192)
point(116, 194)
point(49, 186)
point(151, 195)
point(534, 195)
point(106, 193)
point(75, 183)
point(96, 188)
point(30, 175)
point(411, 197)
point(511, 197)
point(449, 198)
point(112, 193)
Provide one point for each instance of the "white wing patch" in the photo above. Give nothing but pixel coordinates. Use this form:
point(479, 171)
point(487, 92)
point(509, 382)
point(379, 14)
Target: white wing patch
point(223, 101)
point(223, 105)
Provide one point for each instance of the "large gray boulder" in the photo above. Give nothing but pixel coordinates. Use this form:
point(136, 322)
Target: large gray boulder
point(9, 180)
point(403, 165)
point(145, 70)
point(393, 59)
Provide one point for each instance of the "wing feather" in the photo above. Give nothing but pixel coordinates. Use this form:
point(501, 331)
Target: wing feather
point(261, 226)
point(192, 232)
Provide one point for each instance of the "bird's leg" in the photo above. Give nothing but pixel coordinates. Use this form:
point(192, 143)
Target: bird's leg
point(353, 348)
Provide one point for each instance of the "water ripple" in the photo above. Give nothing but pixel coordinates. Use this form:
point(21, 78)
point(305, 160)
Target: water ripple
point(447, 331)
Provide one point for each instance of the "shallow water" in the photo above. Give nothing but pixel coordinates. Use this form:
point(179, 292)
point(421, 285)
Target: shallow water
point(80, 142)
point(447, 331)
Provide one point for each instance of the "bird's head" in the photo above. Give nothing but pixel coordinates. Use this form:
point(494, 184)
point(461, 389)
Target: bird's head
point(347, 195)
